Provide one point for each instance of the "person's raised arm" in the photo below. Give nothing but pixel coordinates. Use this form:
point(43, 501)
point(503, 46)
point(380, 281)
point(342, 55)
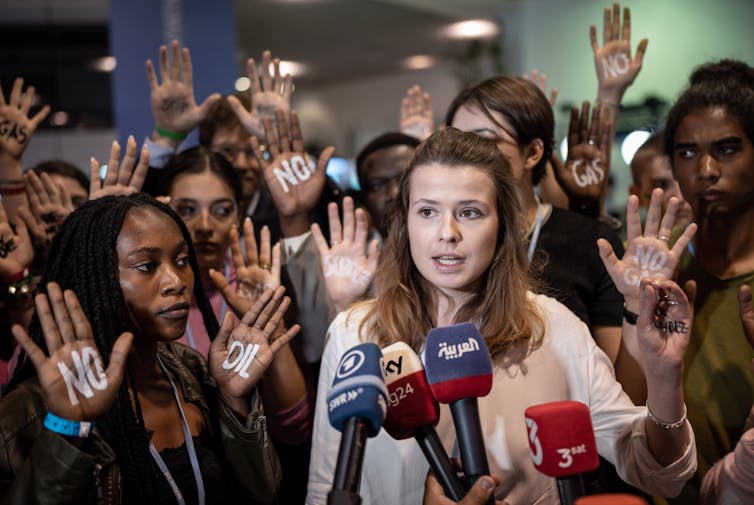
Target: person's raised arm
point(174, 107)
point(585, 172)
point(295, 180)
point(16, 129)
point(347, 265)
point(123, 177)
point(417, 117)
point(270, 92)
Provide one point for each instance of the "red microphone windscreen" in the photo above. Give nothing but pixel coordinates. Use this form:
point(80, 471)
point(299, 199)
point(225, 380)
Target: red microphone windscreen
point(610, 499)
point(561, 438)
point(411, 404)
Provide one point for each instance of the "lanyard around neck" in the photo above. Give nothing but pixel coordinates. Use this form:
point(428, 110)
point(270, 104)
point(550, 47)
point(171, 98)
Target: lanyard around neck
point(535, 232)
point(189, 447)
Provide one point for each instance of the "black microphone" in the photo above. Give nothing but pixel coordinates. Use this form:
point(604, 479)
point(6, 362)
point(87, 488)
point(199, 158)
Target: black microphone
point(459, 370)
point(414, 412)
point(356, 406)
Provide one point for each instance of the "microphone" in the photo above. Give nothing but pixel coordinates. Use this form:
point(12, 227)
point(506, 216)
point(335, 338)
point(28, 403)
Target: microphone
point(413, 411)
point(562, 445)
point(611, 499)
point(459, 370)
point(356, 406)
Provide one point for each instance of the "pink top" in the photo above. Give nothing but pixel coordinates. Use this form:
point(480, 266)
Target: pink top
point(731, 480)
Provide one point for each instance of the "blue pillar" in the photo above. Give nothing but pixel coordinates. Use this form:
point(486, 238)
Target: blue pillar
point(139, 27)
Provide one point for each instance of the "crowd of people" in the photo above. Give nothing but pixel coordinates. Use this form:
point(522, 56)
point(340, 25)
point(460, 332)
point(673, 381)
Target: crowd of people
point(172, 324)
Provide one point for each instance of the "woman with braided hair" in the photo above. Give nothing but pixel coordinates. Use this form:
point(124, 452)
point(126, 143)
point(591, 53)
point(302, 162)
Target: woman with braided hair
point(104, 406)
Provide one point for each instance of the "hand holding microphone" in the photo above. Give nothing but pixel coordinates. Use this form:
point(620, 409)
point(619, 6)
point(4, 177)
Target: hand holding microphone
point(356, 406)
point(413, 411)
point(563, 445)
point(459, 370)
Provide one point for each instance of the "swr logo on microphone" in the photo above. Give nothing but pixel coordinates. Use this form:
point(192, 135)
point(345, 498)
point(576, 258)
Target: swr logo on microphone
point(454, 351)
point(343, 398)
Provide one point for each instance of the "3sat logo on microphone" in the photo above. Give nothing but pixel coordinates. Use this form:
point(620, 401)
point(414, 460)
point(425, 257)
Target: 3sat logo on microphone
point(567, 453)
point(534, 443)
point(350, 363)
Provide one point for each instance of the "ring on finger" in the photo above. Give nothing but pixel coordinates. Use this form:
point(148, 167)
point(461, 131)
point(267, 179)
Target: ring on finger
point(264, 266)
point(664, 238)
point(590, 142)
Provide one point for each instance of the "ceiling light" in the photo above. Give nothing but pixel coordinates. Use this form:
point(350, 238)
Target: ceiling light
point(472, 29)
point(632, 143)
point(242, 84)
point(419, 62)
point(59, 118)
point(294, 68)
point(105, 64)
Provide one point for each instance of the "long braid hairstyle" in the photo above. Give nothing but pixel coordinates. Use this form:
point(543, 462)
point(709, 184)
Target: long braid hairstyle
point(83, 259)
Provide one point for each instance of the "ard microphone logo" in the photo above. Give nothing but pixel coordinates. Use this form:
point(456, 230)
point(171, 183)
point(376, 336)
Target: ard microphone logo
point(534, 443)
point(350, 363)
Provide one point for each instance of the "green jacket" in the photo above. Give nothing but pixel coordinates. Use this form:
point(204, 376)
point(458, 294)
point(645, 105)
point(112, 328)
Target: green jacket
point(38, 466)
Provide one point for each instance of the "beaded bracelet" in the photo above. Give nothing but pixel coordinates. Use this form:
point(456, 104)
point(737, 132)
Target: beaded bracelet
point(668, 426)
point(169, 134)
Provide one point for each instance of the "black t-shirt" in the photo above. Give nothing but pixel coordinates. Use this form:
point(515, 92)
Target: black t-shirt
point(574, 273)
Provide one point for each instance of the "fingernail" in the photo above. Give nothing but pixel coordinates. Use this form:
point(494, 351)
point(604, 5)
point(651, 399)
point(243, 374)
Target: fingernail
point(486, 484)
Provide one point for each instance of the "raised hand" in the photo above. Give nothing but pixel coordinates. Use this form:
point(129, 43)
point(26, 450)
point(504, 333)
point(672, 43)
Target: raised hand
point(348, 268)
point(417, 117)
point(295, 181)
point(584, 175)
point(616, 69)
point(541, 81)
point(174, 108)
point(648, 254)
point(270, 91)
point(479, 494)
point(255, 273)
point(75, 384)
point(16, 252)
point(238, 357)
point(49, 205)
point(16, 127)
point(122, 177)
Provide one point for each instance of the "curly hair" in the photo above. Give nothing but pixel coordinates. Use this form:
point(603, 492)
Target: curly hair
point(83, 259)
point(506, 314)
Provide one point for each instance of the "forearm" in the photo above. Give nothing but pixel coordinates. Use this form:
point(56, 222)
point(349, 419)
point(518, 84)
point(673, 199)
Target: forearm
point(284, 384)
point(665, 401)
point(297, 224)
point(11, 181)
point(167, 142)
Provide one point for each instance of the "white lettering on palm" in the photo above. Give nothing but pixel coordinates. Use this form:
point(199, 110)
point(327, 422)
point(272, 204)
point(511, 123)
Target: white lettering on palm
point(89, 374)
point(242, 360)
point(592, 174)
point(297, 169)
point(343, 266)
point(615, 65)
point(646, 263)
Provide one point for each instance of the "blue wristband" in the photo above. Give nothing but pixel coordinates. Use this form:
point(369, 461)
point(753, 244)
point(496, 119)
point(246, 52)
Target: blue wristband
point(68, 427)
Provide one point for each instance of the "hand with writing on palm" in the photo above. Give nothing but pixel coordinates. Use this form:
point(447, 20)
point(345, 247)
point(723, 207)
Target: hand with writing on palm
point(238, 357)
point(16, 127)
point(647, 254)
point(584, 175)
point(270, 91)
point(417, 116)
point(293, 178)
point(255, 273)
point(49, 205)
point(16, 251)
point(616, 69)
point(75, 384)
point(174, 107)
point(122, 178)
point(347, 266)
